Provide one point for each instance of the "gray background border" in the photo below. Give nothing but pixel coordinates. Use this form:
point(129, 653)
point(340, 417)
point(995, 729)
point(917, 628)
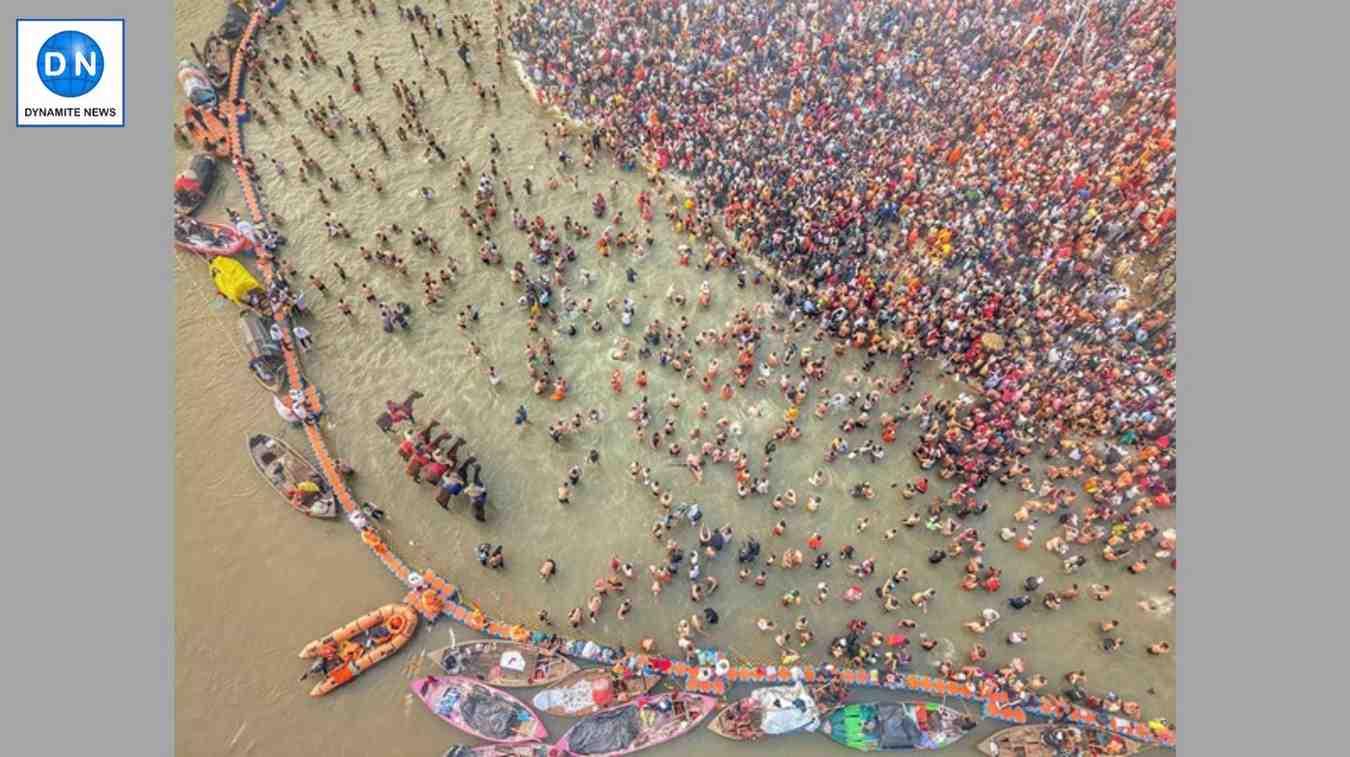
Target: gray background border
point(88, 383)
point(87, 568)
point(1258, 123)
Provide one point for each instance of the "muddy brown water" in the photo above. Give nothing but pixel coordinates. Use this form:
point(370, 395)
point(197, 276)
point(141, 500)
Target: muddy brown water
point(255, 581)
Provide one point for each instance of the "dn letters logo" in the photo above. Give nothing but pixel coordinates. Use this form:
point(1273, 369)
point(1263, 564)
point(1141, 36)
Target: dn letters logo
point(69, 72)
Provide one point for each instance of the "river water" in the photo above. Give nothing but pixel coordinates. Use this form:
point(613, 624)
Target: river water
point(255, 582)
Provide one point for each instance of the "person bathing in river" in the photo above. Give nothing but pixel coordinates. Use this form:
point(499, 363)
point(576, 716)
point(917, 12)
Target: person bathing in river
point(478, 496)
point(396, 413)
point(453, 483)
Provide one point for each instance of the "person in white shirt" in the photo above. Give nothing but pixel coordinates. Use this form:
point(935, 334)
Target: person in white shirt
point(303, 337)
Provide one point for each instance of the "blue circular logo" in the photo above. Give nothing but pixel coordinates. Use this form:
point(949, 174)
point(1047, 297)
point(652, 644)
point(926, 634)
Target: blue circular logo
point(70, 63)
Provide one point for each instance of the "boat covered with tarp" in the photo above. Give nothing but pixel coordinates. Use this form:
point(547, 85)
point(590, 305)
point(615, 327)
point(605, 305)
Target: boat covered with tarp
point(592, 690)
point(643, 723)
point(479, 710)
point(235, 22)
point(191, 187)
point(770, 711)
point(236, 283)
point(196, 84)
point(896, 726)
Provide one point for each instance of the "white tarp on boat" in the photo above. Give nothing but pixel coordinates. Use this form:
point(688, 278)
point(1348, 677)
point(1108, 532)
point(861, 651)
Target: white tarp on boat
point(786, 709)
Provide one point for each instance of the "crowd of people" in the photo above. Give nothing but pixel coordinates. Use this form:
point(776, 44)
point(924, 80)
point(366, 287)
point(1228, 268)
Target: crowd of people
point(971, 181)
point(963, 179)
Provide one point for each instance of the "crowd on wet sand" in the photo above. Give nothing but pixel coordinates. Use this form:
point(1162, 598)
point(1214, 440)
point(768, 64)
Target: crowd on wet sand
point(965, 182)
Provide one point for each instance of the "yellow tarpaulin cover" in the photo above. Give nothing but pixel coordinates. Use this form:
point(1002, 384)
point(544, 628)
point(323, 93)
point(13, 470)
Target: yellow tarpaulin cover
point(232, 279)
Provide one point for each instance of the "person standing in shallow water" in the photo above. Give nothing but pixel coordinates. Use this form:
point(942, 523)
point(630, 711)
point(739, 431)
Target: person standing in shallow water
point(478, 496)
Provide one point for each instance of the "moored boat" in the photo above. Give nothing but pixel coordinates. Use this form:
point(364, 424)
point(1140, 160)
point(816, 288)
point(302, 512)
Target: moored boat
point(770, 711)
point(360, 645)
point(479, 710)
point(895, 726)
point(196, 84)
point(1057, 740)
point(504, 663)
point(191, 187)
point(589, 691)
point(266, 360)
point(219, 56)
point(645, 722)
point(208, 239)
point(234, 281)
point(293, 476)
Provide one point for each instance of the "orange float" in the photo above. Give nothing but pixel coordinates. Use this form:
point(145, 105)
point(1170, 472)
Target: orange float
point(430, 602)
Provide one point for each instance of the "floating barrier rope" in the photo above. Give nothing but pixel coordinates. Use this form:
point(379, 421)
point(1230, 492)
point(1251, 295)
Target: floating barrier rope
point(434, 597)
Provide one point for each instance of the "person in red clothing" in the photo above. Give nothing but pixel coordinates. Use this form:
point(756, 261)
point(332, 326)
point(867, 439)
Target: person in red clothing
point(408, 446)
point(432, 471)
point(992, 583)
point(396, 413)
point(415, 463)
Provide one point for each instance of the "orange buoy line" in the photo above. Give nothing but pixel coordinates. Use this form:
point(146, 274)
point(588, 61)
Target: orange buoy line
point(432, 596)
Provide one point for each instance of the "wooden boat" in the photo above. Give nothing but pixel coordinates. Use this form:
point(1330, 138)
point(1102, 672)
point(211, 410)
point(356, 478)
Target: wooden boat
point(197, 87)
point(237, 283)
point(208, 240)
point(191, 187)
point(294, 477)
point(265, 358)
point(589, 691)
point(532, 749)
point(504, 663)
point(770, 711)
point(895, 726)
point(219, 56)
point(645, 722)
point(361, 644)
point(479, 710)
point(1057, 740)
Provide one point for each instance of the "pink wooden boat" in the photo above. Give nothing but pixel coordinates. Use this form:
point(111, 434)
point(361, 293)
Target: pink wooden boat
point(645, 722)
point(479, 710)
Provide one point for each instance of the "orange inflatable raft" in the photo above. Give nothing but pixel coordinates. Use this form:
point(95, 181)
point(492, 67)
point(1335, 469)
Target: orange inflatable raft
point(386, 630)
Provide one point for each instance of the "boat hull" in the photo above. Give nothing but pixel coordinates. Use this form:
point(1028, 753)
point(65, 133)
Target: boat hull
point(456, 700)
point(507, 664)
point(284, 468)
point(589, 691)
point(1032, 741)
point(685, 711)
point(927, 726)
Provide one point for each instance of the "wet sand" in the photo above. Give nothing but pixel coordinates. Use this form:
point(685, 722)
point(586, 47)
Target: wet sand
point(255, 581)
